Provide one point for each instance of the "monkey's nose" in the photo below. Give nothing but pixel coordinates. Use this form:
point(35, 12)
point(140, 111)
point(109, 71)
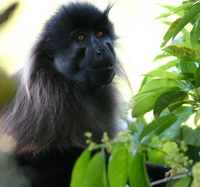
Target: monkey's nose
point(100, 52)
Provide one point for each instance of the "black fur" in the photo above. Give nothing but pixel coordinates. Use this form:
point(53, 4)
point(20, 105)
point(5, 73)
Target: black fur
point(65, 90)
point(51, 110)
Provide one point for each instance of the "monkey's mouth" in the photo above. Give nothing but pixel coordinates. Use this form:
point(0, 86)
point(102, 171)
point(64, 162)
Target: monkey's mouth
point(107, 67)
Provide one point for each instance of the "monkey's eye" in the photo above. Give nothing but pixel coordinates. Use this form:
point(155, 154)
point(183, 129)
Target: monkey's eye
point(100, 34)
point(81, 37)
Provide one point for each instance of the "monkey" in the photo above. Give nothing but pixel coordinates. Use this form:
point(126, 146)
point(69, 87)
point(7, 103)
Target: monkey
point(66, 89)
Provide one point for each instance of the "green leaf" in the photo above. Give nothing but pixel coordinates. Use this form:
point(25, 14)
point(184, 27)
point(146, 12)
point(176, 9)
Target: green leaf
point(138, 173)
point(197, 75)
point(96, 171)
point(168, 35)
point(195, 34)
point(174, 10)
point(189, 75)
point(184, 182)
point(164, 15)
point(139, 97)
point(78, 173)
point(146, 103)
point(182, 113)
point(170, 100)
point(160, 83)
point(168, 65)
point(118, 166)
point(185, 31)
point(155, 155)
point(187, 66)
point(161, 56)
point(144, 81)
point(183, 53)
point(166, 120)
point(181, 7)
point(166, 74)
point(132, 126)
point(194, 11)
point(168, 7)
point(190, 135)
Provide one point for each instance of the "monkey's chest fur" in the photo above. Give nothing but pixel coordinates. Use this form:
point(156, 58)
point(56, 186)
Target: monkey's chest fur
point(55, 113)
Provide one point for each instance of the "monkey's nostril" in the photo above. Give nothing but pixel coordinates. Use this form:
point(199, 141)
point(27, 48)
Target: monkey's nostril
point(100, 52)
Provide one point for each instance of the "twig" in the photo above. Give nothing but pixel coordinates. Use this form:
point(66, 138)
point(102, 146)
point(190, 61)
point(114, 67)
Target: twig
point(169, 179)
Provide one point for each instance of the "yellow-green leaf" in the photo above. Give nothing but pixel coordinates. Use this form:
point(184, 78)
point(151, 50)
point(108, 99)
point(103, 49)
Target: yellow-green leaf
point(160, 83)
point(79, 170)
point(166, 74)
point(96, 170)
point(138, 173)
point(147, 103)
point(118, 166)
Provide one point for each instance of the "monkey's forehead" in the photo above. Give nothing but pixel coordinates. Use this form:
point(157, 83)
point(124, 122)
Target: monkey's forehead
point(79, 14)
point(59, 27)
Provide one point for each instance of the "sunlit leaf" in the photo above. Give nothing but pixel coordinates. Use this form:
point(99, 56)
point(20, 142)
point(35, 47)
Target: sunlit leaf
point(138, 173)
point(164, 15)
point(166, 120)
point(168, 35)
point(194, 11)
point(118, 166)
point(197, 75)
point(139, 97)
point(170, 100)
point(161, 56)
point(166, 74)
point(146, 103)
point(174, 10)
point(181, 7)
point(168, 65)
point(195, 34)
point(96, 171)
point(79, 170)
point(143, 106)
point(160, 83)
point(144, 81)
point(168, 7)
point(183, 53)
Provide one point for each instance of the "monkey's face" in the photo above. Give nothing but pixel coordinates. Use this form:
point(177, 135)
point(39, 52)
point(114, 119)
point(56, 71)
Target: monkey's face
point(89, 58)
